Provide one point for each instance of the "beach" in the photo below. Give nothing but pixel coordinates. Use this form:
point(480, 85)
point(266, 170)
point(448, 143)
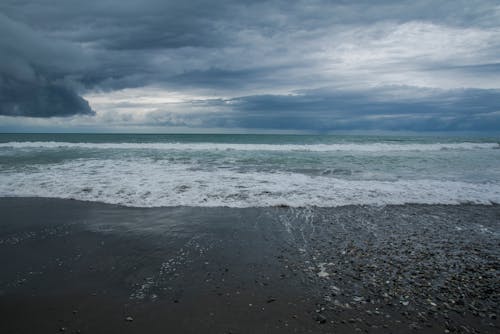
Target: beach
point(260, 167)
point(84, 267)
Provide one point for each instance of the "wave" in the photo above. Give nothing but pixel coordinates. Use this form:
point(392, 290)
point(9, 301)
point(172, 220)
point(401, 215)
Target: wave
point(146, 184)
point(360, 147)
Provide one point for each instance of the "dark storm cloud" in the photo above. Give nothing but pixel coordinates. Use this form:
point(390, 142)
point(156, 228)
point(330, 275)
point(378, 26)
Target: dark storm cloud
point(35, 74)
point(373, 101)
point(19, 98)
point(442, 110)
point(53, 51)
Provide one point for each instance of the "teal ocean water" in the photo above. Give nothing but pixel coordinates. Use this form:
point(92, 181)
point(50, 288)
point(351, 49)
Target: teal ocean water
point(250, 170)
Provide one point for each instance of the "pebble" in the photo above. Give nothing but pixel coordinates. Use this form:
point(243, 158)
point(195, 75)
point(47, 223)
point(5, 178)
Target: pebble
point(320, 318)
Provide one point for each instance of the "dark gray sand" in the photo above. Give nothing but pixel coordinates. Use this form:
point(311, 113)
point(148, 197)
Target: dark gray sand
point(77, 267)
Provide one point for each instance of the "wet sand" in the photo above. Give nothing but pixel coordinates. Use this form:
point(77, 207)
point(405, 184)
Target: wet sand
point(80, 267)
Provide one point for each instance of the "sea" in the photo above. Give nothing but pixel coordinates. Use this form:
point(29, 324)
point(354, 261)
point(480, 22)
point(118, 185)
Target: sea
point(228, 170)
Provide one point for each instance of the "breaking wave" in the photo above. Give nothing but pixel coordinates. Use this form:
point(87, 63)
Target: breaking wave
point(349, 147)
point(146, 183)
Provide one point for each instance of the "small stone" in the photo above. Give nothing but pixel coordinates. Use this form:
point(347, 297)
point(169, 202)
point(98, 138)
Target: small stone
point(414, 326)
point(129, 318)
point(270, 300)
point(62, 329)
point(320, 318)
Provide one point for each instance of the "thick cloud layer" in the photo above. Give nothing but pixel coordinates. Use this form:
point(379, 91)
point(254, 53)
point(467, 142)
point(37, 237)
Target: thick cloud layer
point(303, 65)
point(18, 98)
point(35, 74)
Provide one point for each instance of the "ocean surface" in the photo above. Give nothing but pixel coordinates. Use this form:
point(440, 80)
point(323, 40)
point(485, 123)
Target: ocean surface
point(250, 170)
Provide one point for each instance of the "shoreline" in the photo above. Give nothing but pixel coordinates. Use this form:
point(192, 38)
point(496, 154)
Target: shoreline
point(277, 206)
point(86, 267)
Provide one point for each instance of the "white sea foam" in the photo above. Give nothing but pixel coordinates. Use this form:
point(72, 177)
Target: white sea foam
point(350, 147)
point(147, 183)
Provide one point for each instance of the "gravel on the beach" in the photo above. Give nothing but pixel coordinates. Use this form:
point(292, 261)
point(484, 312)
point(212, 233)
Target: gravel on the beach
point(80, 267)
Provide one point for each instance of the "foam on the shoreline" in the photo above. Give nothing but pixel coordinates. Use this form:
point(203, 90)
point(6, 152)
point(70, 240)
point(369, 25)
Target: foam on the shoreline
point(141, 184)
point(342, 147)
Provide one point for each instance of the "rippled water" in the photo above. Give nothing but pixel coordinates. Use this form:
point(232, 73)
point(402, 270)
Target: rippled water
point(250, 170)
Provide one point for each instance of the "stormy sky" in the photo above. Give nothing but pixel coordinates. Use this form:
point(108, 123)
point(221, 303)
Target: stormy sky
point(313, 66)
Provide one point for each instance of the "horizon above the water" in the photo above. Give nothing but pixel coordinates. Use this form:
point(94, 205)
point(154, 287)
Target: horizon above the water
point(243, 132)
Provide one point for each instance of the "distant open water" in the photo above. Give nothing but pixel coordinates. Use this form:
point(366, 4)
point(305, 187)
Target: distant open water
point(250, 170)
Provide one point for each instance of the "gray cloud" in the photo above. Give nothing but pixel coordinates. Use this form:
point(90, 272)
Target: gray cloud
point(389, 64)
point(376, 109)
point(19, 98)
point(324, 110)
point(35, 74)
